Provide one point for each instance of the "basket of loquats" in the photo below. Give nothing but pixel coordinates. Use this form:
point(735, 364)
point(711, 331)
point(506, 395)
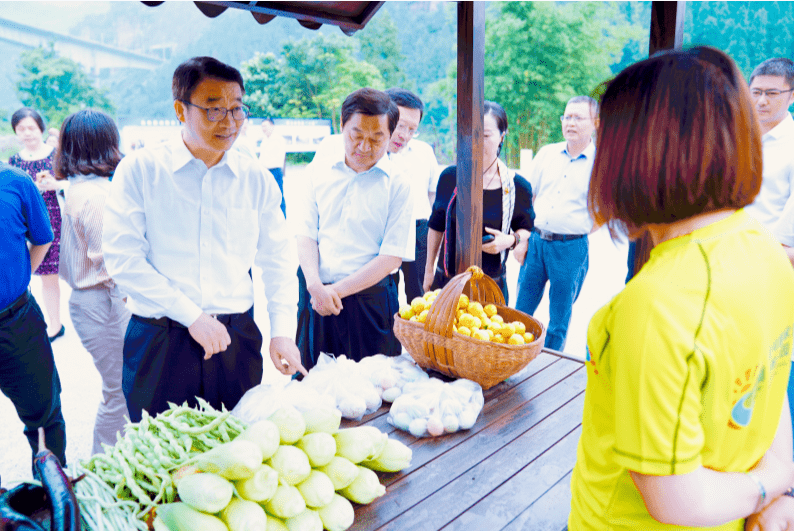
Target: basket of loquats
point(465, 331)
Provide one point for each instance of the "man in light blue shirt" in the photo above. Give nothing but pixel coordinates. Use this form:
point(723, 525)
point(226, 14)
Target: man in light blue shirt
point(353, 226)
point(557, 251)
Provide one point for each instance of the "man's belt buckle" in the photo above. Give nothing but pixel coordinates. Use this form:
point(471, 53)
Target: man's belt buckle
point(545, 235)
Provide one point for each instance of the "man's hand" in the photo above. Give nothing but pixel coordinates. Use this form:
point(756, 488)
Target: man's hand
point(520, 252)
point(210, 334)
point(285, 356)
point(778, 516)
point(325, 300)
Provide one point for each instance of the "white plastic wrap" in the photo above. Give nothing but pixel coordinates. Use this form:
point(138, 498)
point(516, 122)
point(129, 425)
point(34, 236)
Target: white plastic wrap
point(263, 400)
point(431, 407)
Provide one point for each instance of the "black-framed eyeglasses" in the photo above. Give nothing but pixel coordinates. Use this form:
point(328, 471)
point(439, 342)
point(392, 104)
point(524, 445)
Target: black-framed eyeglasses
point(771, 93)
point(217, 114)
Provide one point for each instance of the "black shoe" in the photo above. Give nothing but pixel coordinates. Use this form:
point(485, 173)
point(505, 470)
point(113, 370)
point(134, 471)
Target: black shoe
point(60, 332)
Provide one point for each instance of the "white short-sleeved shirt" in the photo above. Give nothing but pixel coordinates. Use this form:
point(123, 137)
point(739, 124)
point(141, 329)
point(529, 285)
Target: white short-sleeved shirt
point(354, 217)
point(778, 182)
point(418, 163)
point(559, 186)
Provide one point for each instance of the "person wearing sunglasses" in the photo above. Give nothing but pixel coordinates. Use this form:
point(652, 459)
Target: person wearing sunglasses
point(184, 223)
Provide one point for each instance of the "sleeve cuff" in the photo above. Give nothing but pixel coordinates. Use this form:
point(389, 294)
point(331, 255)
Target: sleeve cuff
point(184, 311)
point(283, 326)
point(393, 250)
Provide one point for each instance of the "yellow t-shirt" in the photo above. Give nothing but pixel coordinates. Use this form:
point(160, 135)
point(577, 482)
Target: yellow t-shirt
point(687, 366)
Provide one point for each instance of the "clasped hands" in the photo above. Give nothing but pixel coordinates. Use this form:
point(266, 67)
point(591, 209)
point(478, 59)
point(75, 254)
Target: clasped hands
point(500, 242)
point(325, 299)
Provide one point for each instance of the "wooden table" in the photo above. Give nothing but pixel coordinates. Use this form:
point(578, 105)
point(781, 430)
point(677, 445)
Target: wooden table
point(510, 471)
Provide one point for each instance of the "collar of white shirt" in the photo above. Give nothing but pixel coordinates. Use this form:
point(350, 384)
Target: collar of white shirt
point(588, 153)
point(383, 165)
point(181, 157)
point(785, 127)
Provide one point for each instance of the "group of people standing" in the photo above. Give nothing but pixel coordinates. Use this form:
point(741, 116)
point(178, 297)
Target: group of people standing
point(687, 367)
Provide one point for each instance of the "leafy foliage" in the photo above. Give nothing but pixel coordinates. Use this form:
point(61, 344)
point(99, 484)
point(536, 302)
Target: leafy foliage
point(309, 79)
point(56, 86)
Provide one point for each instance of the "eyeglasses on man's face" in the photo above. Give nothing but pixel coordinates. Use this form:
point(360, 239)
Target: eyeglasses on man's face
point(574, 119)
point(217, 114)
point(406, 130)
point(771, 93)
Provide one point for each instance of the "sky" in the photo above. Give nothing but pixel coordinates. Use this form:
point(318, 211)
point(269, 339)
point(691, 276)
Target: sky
point(53, 16)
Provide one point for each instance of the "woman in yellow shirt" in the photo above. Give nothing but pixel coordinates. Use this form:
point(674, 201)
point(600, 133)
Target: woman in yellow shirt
point(686, 421)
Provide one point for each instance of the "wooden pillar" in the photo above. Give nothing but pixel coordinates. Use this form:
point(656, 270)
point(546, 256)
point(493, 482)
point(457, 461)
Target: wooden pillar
point(471, 93)
point(667, 32)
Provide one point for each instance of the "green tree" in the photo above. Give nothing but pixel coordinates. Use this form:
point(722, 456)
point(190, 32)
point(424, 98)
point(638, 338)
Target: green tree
point(538, 55)
point(56, 86)
point(379, 45)
point(310, 78)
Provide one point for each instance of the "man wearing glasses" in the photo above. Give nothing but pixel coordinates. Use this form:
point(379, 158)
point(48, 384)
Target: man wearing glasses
point(772, 90)
point(557, 250)
point(416, 161)
point(184, 223)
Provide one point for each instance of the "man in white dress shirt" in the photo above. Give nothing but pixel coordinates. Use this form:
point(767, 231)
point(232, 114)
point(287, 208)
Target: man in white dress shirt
point(353, 225)
point(273, 154)
point(772, 90)
point(184, 223)
point(416, 161)
point(557, 250)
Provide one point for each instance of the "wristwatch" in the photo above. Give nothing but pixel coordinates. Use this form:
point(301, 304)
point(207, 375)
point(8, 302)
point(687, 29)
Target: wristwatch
point(789, 492)
point(515, 243)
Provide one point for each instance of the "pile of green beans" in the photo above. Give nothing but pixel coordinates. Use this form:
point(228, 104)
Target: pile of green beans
point(100, 510)
point(139, 466)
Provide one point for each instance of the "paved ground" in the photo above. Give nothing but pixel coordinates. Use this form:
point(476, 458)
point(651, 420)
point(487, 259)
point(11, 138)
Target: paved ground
point(82, 386)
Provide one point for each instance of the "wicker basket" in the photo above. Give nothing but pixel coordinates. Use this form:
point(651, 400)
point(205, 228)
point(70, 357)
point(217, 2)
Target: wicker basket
point(433, 344)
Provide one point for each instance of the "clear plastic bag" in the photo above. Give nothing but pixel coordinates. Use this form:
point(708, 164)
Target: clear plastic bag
point(340, 378)
point(429, 408)
point(263, 400)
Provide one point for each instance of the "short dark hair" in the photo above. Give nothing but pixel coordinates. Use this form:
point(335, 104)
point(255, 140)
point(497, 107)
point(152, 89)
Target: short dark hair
point(27, 112)
point(189, 74)
point(777, 66)
point(406, 98)
point(588, 100)
point(89, 144)
point(370, 102)
point(678, 137)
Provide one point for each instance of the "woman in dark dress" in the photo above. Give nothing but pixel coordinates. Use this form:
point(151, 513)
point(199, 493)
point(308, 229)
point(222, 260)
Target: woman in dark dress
point(35, 159)
point(507, 210)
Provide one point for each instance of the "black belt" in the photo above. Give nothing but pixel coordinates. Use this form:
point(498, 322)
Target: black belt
point(165, 322)
point(553, 237)
point(16, 305)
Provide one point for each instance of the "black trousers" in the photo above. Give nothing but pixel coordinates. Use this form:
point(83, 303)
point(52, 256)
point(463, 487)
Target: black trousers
point(364, 327)
point(414, 272)
point(163, 363)
point(29, 378)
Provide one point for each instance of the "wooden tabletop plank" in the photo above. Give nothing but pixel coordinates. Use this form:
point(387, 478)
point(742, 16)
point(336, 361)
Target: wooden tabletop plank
point(550, 513)
point(495, 412)
point(523, 494)
point(450, 458)
point(496, 490)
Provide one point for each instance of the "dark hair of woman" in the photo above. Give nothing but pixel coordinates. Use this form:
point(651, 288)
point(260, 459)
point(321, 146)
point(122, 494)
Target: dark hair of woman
point(89, 144)
point(678, 137)
point(27, 112)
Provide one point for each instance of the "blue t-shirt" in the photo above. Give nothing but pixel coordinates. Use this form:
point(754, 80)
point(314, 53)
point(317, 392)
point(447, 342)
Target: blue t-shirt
point(23, 216)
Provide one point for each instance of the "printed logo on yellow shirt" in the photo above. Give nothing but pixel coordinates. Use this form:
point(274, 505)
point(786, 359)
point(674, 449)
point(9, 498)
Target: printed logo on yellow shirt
point(745, 389)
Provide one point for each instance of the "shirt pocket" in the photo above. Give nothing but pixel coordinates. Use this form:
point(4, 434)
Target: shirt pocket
point(242, 233)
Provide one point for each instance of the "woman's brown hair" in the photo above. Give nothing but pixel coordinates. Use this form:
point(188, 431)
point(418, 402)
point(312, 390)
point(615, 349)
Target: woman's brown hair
point(89, 144)
point(677, 137)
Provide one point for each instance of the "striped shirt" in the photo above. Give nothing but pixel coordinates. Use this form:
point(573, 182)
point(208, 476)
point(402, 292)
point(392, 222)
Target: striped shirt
point(82, 265)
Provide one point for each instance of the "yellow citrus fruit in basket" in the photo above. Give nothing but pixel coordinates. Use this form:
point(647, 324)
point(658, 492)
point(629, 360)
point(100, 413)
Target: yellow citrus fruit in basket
point(406, 312)
point(498, 339)
point(466, 320)
point(463, 302)
point(485, 321)
point(482, 335)
point(414, 318)
point(475, 308)
point(422, 317)
point(528, 337)
point(490, 310)
point(515, 339)
point(418, 305)
point(427, 295)
point(507, 330)
point(520, 327)
point(464, 331)
point(459, 314)
point(497, 319)
point(490, 333)
point(494, 327)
